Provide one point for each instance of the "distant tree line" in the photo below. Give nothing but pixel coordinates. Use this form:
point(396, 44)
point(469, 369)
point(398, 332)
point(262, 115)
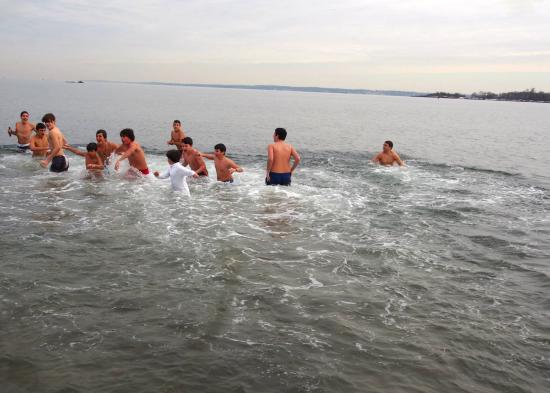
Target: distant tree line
point(526, 95)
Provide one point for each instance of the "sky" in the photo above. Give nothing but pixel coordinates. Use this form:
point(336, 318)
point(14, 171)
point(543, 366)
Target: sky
point(424, 45)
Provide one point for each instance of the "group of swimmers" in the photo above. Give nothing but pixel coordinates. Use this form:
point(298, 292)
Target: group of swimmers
point(50, 147)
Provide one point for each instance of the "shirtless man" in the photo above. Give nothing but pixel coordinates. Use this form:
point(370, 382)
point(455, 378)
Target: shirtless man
point(177, 134)
point(192, 157)
point(23, 130)
point(224, 166)
point(132, 151)
point(59, 163)
point(104, 147)
point(279, 153)
point(93, 161)
point(387, 156)
point(39, 143)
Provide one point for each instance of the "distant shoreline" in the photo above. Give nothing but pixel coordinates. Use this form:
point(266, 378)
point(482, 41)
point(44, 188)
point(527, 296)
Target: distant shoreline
point(277, 88)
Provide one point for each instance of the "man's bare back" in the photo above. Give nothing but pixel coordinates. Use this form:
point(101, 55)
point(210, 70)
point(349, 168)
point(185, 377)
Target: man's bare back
point(279, 153)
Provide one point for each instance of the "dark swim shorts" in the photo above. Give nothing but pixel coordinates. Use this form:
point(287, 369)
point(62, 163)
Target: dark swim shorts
point(282, 179)
point(59, 164)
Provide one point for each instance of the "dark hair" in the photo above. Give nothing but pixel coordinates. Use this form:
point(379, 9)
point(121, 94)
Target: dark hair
point(220, 147)
point(102, 132)
point(178, 122)
point(173, 155)
point(92, 146)
point(48, 117)
point(22, 113)
point(390, 144)
point(40, 126)
point(281, 133)
point(129, 133)
point(187, 140)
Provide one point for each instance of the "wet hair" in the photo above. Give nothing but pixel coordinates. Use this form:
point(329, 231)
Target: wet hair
point(187, 140)
point(177, 122)
point(40, 126)
point(129, 133)
point(281, 133)
point(220, 147)
point(173, 155)
point(390, 144)
point(102, 132)
point(22, 113)
point(92, 146)
point(48, 117)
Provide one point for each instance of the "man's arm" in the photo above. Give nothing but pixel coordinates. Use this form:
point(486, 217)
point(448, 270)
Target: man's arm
point(233, 167)
point(74, 150)
point(163, 175)
point(296, 156)
point(202, 164)
point(397, 158)
point(210, 156)
point(270, 154)
point(125, 155)
point(376, 158)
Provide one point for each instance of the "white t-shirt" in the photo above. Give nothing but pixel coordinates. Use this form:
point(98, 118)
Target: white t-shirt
point(177, 174)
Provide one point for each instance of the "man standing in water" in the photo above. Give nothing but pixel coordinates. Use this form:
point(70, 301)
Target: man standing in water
point(104, 147)
point(387, 156)
point(23, 130)
point(192, 157)
point(56, 140)
point(39, 143)
point(279, 153)
point(132, 151)
point(177, 134)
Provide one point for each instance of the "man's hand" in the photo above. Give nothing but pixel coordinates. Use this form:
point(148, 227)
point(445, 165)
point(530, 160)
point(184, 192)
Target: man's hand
point(44, 163)
point(156, 173)
point(117, 165)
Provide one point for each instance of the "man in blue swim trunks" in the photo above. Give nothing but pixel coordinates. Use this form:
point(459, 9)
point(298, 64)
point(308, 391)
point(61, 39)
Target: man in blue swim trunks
point(279, 153)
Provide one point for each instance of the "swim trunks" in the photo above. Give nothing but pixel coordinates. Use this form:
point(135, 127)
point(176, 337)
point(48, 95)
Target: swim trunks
point(275, 179)
point(144, 171)
point(23, 147)
point(59, 164)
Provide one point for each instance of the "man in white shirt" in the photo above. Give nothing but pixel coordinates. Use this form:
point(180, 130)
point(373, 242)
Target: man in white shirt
point(177, 172)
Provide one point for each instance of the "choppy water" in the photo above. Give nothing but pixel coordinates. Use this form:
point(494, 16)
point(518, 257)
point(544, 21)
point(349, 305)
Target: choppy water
point(357, 278)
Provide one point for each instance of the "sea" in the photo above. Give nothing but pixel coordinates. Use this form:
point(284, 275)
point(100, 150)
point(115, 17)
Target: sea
point(434, 277)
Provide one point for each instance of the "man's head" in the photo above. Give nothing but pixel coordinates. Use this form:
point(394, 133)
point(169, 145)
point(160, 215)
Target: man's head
point(187, 143)
point(280, 134)
point(176, 125)
point(173, 156)
point(91, 147)
point(40, 129)
point(24, 116)
point(127, 136)
point(219, 150)
point(49, 120)
point(387, 146)
point(101, 136)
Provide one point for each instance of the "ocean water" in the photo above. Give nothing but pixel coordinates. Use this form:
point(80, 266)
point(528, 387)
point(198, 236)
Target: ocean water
point(357, 278)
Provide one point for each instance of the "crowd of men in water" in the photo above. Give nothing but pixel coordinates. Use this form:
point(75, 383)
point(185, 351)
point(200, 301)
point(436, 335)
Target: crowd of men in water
point(49, 143)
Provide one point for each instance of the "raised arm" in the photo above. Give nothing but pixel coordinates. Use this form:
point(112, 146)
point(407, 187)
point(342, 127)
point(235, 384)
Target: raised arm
point(210, 156)
point(74, 150)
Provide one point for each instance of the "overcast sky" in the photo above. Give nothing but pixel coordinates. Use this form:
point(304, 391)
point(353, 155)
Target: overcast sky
point(465, 46)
